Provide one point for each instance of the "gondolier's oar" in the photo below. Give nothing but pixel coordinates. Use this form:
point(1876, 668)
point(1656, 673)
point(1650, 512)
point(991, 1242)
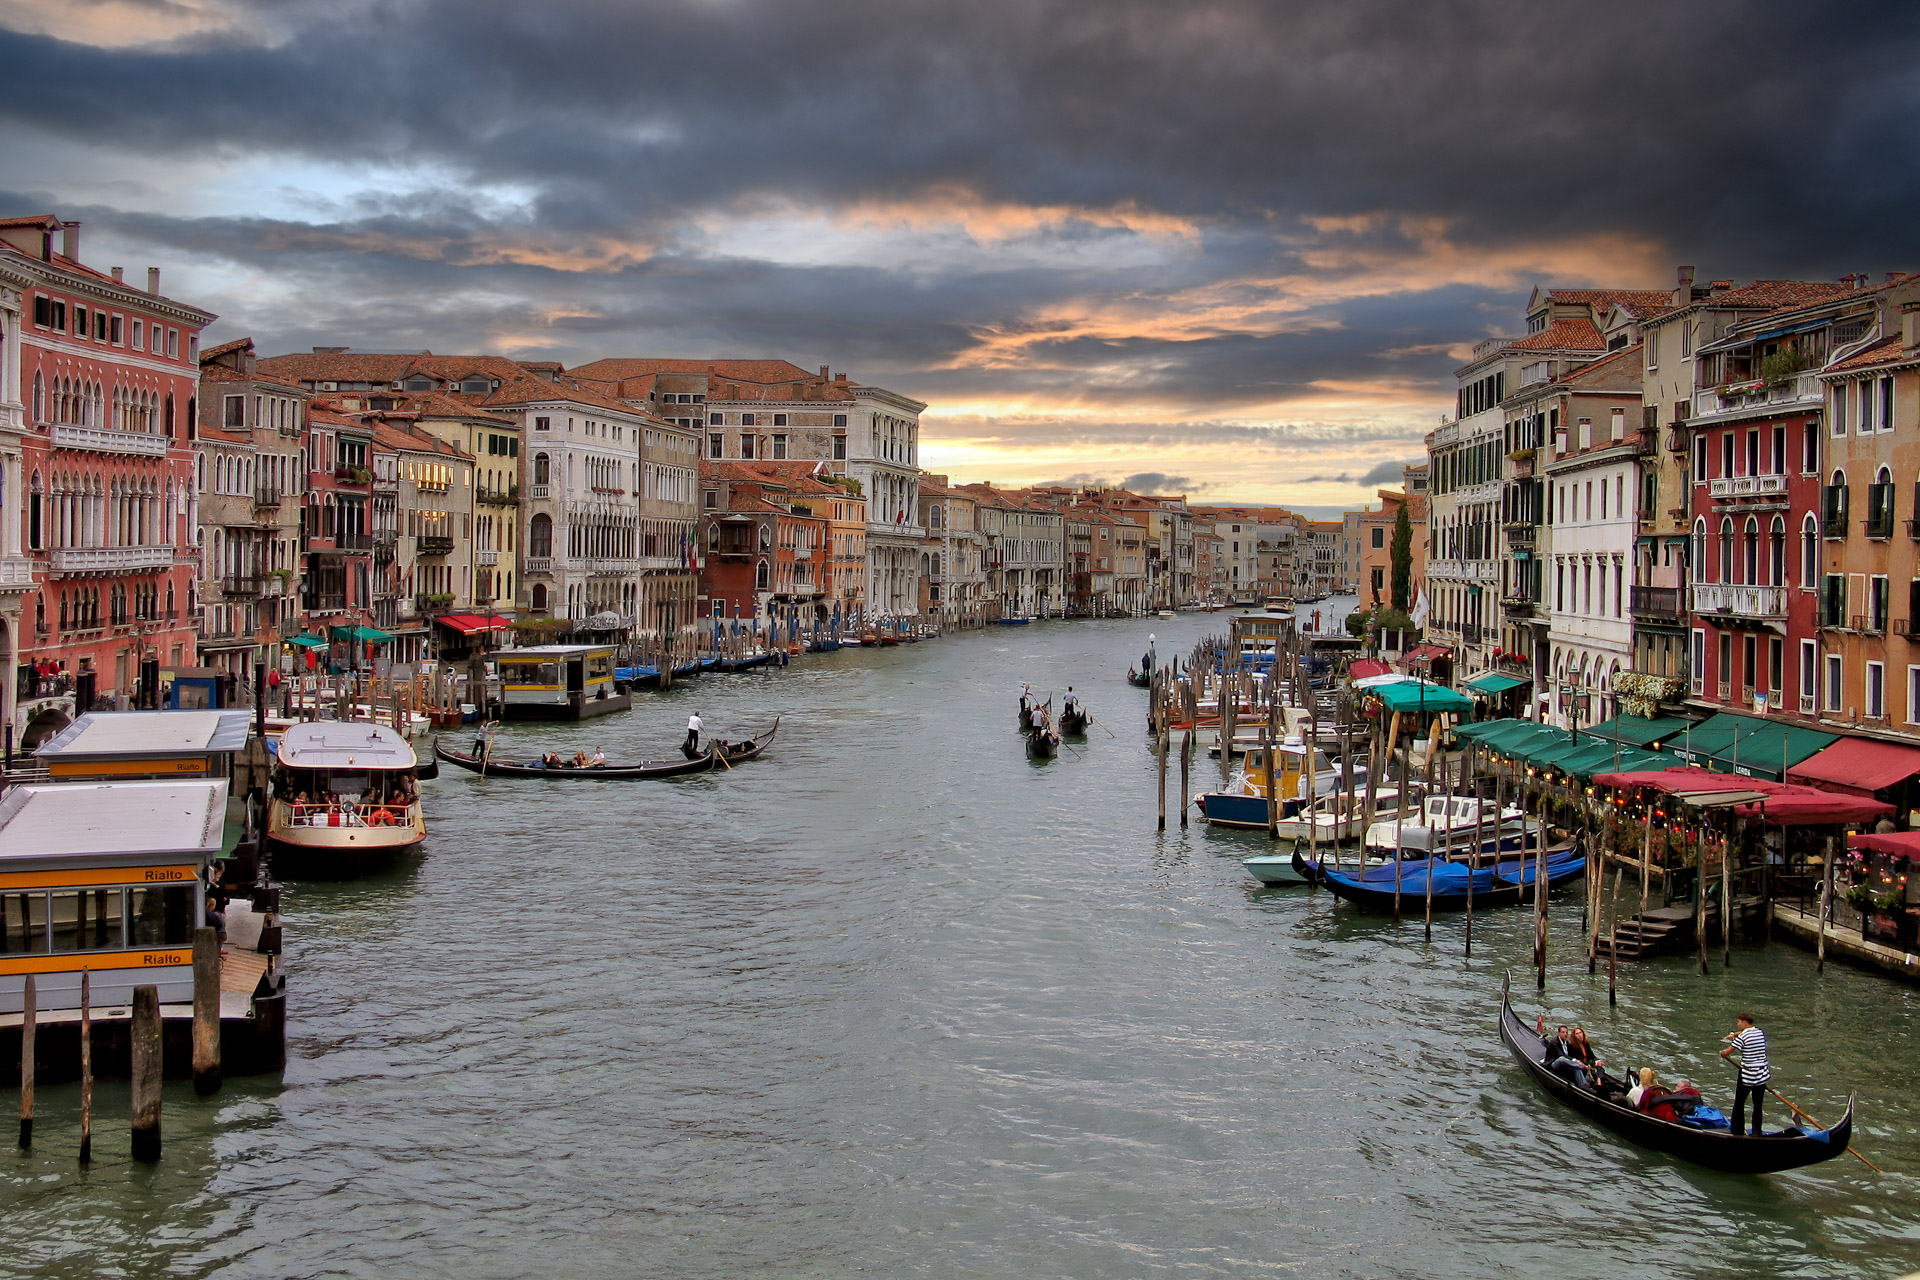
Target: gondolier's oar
point(1076, 754)
point(1097, 720)
point(1816, 1124)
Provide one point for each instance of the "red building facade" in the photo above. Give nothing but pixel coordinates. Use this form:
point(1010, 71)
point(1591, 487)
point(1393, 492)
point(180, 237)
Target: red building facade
point(105, 502)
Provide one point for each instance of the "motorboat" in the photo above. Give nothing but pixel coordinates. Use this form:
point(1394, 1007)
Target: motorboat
point(1455, 826)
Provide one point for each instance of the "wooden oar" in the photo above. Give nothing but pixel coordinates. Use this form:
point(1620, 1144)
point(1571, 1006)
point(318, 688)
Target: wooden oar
point(1097, 720)
point(1816, 1124)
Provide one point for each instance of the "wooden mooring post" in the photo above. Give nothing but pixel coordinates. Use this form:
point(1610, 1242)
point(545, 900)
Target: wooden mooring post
point(27, 1016)
point(1186, 770)
point(147, 1073)
point(206, 1011)
point(86, 1067)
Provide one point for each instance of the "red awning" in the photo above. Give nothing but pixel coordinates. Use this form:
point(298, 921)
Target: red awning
point(474, 624)
point(1424, 653)
point(1903, 843)
point(1858, 766)
point(1361, 668)
point(1688, 779)
point(1805, 807)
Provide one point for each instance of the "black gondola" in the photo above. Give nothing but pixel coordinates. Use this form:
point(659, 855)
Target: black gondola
point(1139, 679)
point(1042, 744)
point(699, 762)
point(1715, 1148)
point(1026, 714)
point(733, 752)
point(1073, 721)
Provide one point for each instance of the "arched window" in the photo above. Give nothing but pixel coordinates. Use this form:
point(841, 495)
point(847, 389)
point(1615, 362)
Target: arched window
point(1726, 549)
point(766, 538)
point(713, 535)
point(539, 598)
point(1753, 551)
point(1809, 553)
point(540, 536)
point(1699, 565)
point(760, 572)
point(542, 469)
point(39, 397)
point(1777, 552)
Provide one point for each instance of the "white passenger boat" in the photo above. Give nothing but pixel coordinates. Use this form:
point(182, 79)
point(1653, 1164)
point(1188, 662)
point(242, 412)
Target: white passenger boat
point(1447, 826)
point(345, 800)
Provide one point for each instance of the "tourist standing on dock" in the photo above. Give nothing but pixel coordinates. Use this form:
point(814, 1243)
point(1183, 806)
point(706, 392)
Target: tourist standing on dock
point(1751, 1043)
point(694, 726)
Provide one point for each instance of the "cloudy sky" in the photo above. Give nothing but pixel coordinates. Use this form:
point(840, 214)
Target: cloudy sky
point(1235, 247)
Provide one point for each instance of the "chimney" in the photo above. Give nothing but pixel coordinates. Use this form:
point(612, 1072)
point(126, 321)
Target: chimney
point(1892, 276)
point(1909, 325)
point(153, 280)
point(70, 241)
point(119, 275)
point(1683, 291)
point(824, 375)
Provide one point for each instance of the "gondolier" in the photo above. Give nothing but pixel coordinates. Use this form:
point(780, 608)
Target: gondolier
point(694, 726)
point(1750, 1042)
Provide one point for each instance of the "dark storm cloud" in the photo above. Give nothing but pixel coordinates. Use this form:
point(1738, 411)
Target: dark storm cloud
point(568, 162)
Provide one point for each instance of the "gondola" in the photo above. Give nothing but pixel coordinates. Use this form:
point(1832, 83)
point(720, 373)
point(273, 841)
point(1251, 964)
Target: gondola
point(1042, 744)
point(734, 752)
point(1503, 885)
point(1716, 1148)
point(698, 762)
point(1139, 679)
point(1026, 714)
point(1073, 721)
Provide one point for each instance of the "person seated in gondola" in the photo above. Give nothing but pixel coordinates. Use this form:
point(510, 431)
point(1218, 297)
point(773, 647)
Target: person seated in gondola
point(1639, 1091)
point(579, 760)
point(1562, 1054)
point(599, 760)
point(551, 761)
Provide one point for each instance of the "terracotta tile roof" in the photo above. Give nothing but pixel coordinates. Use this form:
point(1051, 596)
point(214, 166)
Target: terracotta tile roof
point(1886, 351)
point(342, 366)
point(45, 221)
point(1607, 364)
point(223, 436)
point(225, 348)
point(435, 404)
point(401, 435)
point(619, 368)
point(1639, 301)
point(1772, 294)
point(223, 373)
point(322, 415)
point(1575, 333)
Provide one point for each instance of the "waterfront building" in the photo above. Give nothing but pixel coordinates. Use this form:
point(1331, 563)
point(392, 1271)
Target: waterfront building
point(336, 585)
point(1209, 563)
point(1350, 535)
point(99, 385)
point(250, 477)
point(1697, 314)
point(1468, 463)
point(1168, 540)
point(954, 571)
point(430, 573)
point(773, 410)
point(1376, 546)
point(759, 543)
point(1323, 541)
point(1783, 576)
point(1868, 673)
point(1591, 475)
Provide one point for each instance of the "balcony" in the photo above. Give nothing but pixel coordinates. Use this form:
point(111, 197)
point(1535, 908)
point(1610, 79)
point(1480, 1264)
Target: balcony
point(1740, 600)
point(97, 441)
point(1658, 604)
point(1737, 397)
point(1463, 570)
point(1747, 487)
point(353, 475)
point(326, 602)
point(1520, 607)
point(1521, 535)
point(432, 546)
point(1676, 438)
point(109, 559)
point(1806, 704)
point(881, 529)
point(486, 559)
point(242, 584)
point(1867, 624)
point(609, 565)
point(16, 573)
point(266, 496)
point(429, 605)
point(507, 497)
point(540, 566)
point(539, 491)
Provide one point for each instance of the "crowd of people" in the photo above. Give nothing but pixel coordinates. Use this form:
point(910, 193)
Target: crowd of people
point(580, 760)
point(1570, 1055)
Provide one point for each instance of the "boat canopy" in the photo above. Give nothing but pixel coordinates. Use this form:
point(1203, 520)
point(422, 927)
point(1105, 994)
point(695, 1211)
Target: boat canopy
point(344, 744)
point(69, 824)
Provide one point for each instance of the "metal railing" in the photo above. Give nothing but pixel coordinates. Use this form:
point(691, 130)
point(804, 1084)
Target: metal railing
point(1746, 486)
point(430, 545)
point(1657, 602)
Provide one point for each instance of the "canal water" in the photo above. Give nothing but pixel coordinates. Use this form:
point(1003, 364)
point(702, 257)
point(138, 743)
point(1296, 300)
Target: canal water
point(896, 1001)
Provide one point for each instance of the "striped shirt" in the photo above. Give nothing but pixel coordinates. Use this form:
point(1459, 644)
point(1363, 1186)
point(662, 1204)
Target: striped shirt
point(1752, 1044)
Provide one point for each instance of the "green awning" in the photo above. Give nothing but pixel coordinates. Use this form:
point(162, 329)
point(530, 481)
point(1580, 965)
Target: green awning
point(1612, 757)
point(311, 642)
point(1496, 682)
point(1639, 731)
point(367, 634)
point(1419, 697)
point(1750, 746)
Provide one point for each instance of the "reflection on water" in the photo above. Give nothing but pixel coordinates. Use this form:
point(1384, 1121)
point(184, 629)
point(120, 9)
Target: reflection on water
point(897, 1001)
